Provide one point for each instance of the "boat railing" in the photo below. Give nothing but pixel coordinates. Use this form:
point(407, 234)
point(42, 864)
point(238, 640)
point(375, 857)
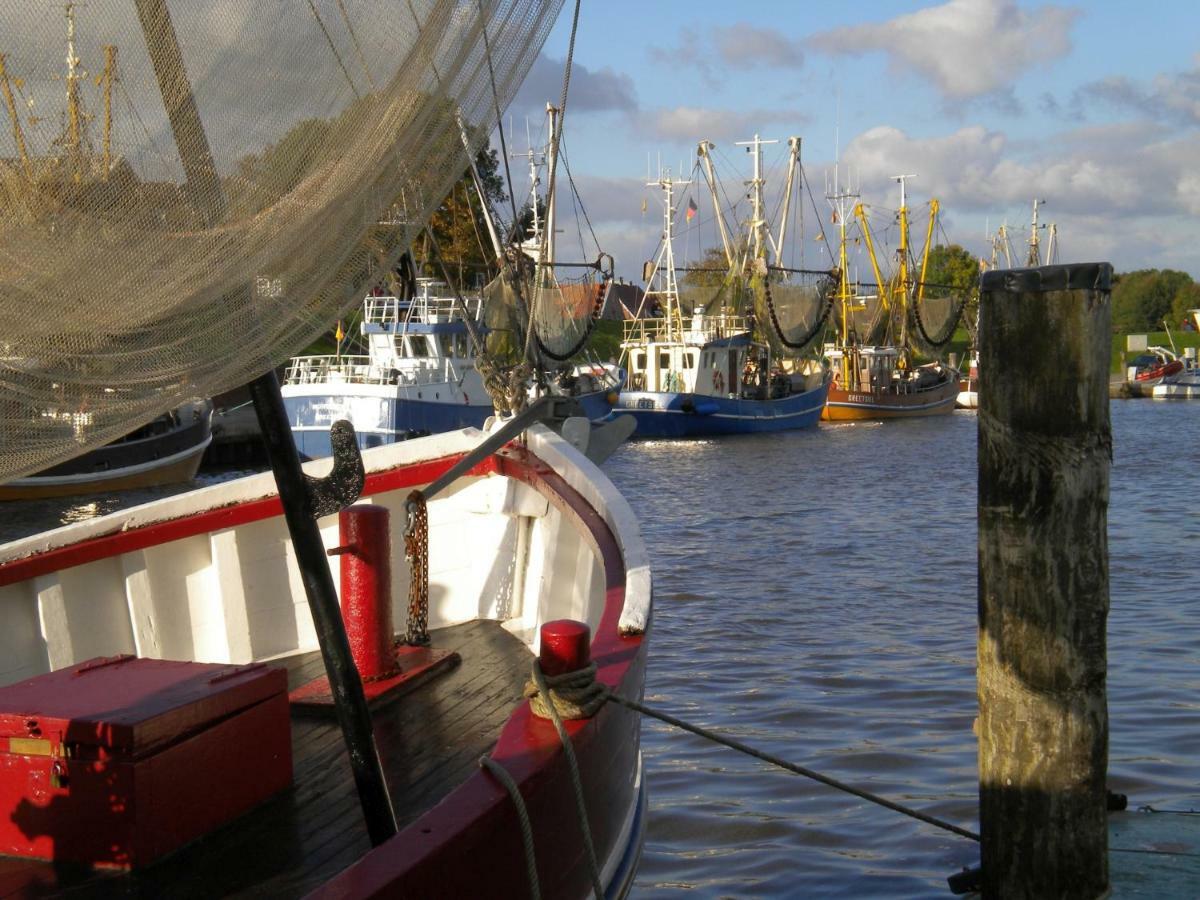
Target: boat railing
point(364, 370)
point(425, 308)
point(694, 329)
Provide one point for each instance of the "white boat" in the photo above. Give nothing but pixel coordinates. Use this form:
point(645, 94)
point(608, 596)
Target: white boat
point(1182, 385)
point(210, 576)
point(418, 376)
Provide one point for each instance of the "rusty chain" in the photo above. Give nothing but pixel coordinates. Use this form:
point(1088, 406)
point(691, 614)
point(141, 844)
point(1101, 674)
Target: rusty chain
point(416, 551)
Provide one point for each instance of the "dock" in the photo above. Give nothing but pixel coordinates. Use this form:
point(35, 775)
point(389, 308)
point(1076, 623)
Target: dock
point(1154, 854)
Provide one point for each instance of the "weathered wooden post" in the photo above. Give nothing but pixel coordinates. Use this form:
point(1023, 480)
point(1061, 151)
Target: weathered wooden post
point(1044, 452)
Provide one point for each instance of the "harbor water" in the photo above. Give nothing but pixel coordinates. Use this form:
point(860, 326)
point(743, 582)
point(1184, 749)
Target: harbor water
point(815, 597)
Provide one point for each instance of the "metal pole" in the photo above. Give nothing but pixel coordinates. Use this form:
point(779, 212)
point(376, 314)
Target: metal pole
point(205, 187)
point(344, 682)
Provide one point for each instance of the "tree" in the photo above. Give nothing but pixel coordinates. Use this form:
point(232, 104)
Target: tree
point(953, 267)
point(460, 228)
point(1141, 300)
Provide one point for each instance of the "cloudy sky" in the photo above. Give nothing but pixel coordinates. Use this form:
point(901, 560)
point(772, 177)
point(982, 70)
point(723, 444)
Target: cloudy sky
point(1092, 108)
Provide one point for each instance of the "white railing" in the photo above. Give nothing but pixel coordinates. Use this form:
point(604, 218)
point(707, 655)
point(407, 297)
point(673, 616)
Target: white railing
point(691, 329)
point(360, 370)
point(424, 308)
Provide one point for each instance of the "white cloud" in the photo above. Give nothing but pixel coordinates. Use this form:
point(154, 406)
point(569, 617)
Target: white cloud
point(742, 44)
point(691, 124)
point(1171, 97)
point(591, 90)
point(965, 48)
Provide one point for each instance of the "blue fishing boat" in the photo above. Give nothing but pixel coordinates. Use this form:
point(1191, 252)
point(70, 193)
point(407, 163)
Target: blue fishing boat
point(725, 353)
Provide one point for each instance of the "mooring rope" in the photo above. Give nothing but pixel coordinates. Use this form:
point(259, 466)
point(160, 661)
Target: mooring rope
point(501, 774)
point(579, 692)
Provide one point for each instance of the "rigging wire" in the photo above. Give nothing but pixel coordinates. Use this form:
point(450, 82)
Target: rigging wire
point(333, 49)
point(357, 46)
point(487, 47)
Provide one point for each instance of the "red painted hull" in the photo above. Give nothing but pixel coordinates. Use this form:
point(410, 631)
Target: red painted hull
point(470, 844)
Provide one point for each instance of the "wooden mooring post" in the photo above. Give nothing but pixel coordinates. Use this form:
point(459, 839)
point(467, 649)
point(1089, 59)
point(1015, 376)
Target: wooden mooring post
point(1045, 447)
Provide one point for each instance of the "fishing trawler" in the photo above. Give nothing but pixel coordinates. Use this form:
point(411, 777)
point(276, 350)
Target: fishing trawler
point(873, 373)
point(717, 367)
point(156, 661)
point(421, 373)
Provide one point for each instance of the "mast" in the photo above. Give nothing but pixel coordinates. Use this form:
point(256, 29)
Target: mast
point(547, 252)
point(902, 283)
point(704, 151)
point(18, 136)
point(933, 214)
point(793, 162)
point(1035, 256)
point(758, 222)
point(478, 182)
point(74, 116)
point(110, 71)
point(664, 263)
point(845, 296)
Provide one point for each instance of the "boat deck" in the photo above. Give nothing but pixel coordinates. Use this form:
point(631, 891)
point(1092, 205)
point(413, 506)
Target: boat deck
point(430, 741)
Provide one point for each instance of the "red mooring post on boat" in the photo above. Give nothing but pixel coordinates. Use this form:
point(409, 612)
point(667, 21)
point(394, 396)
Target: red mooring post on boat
point(566, 646)
point(1045, 448)
point(366, 581)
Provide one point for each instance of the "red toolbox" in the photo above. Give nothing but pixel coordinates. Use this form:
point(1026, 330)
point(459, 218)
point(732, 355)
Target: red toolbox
point(115, 762)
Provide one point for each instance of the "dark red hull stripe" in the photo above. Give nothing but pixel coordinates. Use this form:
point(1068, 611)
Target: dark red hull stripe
point(470, 844)
point(243, 513)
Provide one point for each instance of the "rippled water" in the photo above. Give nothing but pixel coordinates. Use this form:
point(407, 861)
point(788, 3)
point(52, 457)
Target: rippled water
point(815, 597)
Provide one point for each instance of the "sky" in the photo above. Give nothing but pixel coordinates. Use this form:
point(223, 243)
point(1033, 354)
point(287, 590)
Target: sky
point(1090, 108)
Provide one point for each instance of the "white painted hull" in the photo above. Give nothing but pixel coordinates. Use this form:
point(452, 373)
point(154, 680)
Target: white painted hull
point(226, 590)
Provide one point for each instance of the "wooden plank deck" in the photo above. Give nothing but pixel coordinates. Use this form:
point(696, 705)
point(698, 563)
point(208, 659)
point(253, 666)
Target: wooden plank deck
point(429, 741)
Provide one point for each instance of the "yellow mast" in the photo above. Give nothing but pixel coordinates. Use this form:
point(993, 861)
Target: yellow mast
point(861, 215)
point(74, 118)
point(110, 69)
point(933, 212)
point(18, 137)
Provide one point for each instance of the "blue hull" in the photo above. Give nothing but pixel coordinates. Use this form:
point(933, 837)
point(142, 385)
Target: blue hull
point(677, 415)
point(406, 418)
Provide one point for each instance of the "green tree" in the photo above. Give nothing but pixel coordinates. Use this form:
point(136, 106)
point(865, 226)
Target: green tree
point(952, 266)
point(1141, 300)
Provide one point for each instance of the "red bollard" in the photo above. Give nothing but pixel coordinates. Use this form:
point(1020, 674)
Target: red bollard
point(367, 588)
point(566, 646)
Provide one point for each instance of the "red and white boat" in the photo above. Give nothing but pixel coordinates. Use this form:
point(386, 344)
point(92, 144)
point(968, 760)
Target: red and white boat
point(533, 533)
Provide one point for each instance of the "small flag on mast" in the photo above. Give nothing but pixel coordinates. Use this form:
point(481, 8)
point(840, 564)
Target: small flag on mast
point(691, 208)
point(339, 334)
point(643, 206)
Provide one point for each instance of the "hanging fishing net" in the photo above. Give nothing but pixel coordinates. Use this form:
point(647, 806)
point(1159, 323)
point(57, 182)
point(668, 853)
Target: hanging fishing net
point(867, 316)
point(205, 187)
point(712, 292)
point(564, 310)
point(791, 307)
point(935, 314)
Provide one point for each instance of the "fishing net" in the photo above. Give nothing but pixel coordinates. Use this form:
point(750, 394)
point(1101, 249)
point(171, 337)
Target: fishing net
point(795, 304)
point(935, 315)
point(868, 318)
point(561, 311)
point(153, 250)
point(712, 292)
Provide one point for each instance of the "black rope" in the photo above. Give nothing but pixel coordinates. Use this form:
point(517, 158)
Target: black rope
point(793, 767)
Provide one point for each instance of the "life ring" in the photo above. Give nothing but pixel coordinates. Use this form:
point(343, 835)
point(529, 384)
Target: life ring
point(718, 382)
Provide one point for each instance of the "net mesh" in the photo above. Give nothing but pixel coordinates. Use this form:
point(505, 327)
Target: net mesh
point(935, 316)
point(712, 292)
point(792, 307)
point(183, 212)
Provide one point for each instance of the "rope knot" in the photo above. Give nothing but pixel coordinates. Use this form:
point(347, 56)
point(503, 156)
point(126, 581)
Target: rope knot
point(574, 695)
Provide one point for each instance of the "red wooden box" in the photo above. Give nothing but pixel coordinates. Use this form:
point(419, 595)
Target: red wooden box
point(115, 762)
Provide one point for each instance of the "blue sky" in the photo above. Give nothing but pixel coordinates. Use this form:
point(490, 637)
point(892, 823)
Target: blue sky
point(1092, 108)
